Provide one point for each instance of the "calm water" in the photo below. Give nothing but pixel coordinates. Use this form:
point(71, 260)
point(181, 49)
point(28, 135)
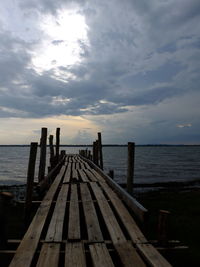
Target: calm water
point(152, 164)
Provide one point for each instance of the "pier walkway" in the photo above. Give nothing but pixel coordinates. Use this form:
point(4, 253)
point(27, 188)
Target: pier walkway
point(82, 221)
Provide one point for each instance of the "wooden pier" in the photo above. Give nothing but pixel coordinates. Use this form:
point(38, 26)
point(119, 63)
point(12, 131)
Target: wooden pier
point(86, 219)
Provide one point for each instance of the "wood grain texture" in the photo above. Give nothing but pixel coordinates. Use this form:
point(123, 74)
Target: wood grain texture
point(100, 255)
point(74, 217)
point(56, 225)
point(74, 255)
point(25, 252)
point(49, 255)
point(114, 229)
point(92, 223)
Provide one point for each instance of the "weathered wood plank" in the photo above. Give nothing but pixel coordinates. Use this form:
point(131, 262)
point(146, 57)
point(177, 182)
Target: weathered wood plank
point(67, 176)
point(24, 254)
point(83, 176)
point(114, 229)
point(92, 223)
point(100, 255)
point(82, 165)
point(74, 217)
point(55, 229)
point(97, 175)
point(74, 255)
point(132, 203)
point(49, 255)
point(128, 221)
point(128, 255)
point(91, 175)
point(152, 256)
point(75, 176)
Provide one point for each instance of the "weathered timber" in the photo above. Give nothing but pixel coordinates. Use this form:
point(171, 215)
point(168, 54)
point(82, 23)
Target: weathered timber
point(57, 143)
point(43, 144)
point(139, 211)
point(30, 180)
point(74, 255)
point(55, 229)
point(74, 217)
point(130, 169)
point(100, 151)
point(52, 154)
point(100, 255)
point(26, 250)
point(92, 223)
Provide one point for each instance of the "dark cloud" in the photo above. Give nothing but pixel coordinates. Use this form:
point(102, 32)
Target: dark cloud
point(139, 55)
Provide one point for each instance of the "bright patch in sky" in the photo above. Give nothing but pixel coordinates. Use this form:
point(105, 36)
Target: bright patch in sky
point(61, 46)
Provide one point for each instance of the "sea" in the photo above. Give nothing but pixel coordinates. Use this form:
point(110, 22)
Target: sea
point(153, 164)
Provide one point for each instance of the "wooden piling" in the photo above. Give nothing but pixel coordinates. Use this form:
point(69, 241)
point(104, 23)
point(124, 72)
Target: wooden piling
point(162, 227)
point(52, 155)
point(57, 143)
point(43, 147)
point(111, 174)
point(30, 179)
point(130, 167)
point(100, 151)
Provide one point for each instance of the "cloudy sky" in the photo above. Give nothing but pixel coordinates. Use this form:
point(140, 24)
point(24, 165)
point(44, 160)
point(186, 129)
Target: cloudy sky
point(129, 69)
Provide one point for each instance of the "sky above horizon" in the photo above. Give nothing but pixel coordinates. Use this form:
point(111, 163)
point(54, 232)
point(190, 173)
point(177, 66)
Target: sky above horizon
point(129, 69)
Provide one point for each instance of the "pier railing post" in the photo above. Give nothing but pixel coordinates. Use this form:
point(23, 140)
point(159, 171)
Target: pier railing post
point(111, 174)
point(130, 167)
point(52, 155)
point(30, 179)
point(96, 153)
point(57, 143)
point(162, 227)
point(43, 147)
point(100, 151)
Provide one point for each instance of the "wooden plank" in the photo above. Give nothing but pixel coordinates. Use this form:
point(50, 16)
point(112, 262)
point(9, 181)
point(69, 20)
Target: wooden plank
point(82, 165)
point(87, 165)
point(67, 176)
point(114, 229)
point(83, 176)
point(25, 252)
point(132, 203)
point(128, 221)
point(152, 256)
point(91, 175)
point(74, 217)
point(92, 223)
point(77, 166)
point(100, 255)
point(97, 175)
point(49, 255)
point(74, 255)
point(75, 177)
point(128, 255)
point(55, 229)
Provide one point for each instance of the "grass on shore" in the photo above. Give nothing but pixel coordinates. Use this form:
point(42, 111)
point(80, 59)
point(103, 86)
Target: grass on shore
point(184, 222)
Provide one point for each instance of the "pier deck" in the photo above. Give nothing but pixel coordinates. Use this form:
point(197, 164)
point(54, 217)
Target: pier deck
point(82, 222)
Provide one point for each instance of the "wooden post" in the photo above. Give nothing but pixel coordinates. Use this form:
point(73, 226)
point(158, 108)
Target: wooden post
point(130, 169)
point(30, 179)
point(62, 153)
point(162, 227)
point(57, 143)
point(51, 151)
point(5, 198)
point(96, 159)
point(43, 148)
point(111, 174)
point(93, 152)
point(100, 151)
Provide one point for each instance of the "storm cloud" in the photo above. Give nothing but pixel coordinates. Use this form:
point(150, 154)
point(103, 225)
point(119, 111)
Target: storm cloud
point(136, 56)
